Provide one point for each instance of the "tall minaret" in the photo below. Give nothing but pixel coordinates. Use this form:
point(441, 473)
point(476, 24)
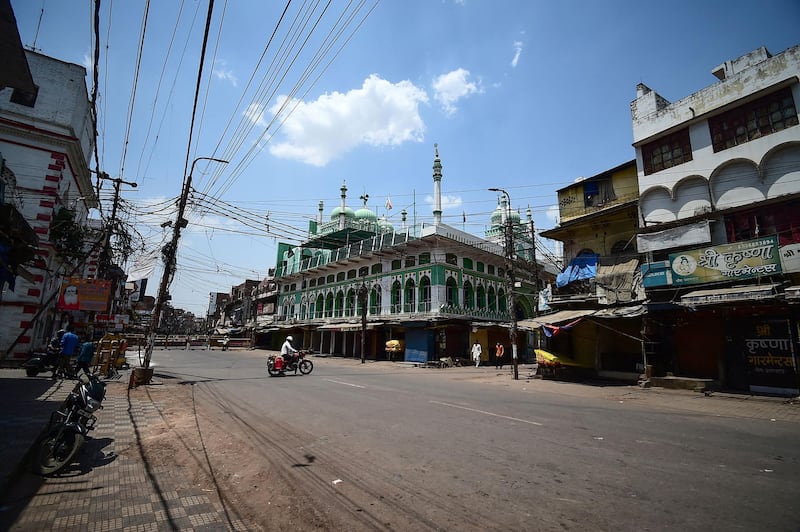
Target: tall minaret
point(437, 187)
point(342, 217)
point(319, 214)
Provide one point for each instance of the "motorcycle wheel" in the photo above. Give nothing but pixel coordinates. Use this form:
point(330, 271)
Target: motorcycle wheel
point(273, 372)
point(306, 366)
point(56, 450)
point(31, 372)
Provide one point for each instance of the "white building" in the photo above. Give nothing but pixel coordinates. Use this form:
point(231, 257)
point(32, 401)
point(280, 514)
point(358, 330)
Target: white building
point(46, 141)
point(719, 183)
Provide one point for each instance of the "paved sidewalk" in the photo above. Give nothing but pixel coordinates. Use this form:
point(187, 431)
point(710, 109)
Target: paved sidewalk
point(111, 487)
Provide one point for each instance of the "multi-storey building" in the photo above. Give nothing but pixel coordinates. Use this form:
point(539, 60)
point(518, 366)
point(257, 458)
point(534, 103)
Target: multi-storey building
point(719, 215)
point(599, 292)
point(46, 141)
point(433, 286)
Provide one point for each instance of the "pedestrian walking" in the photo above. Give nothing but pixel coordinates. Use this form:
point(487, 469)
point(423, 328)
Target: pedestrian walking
point(498, 355)
point(476, 353)
point(69, 343)
point(85, 357)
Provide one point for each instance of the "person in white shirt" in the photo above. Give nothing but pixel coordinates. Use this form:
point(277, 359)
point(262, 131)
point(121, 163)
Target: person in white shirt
point(476, 353)
point(287, 349)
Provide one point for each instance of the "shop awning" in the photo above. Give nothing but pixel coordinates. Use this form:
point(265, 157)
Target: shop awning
point(562, 316)
point(728, 295)
point(792, 293)
point(630, 311)
point(344, 327)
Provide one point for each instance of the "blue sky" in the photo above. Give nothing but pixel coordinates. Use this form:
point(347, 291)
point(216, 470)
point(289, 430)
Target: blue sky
point(524, 95)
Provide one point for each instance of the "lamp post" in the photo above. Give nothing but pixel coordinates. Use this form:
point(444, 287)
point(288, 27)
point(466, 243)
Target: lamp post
point(362, 298)
point(509, 250)
point(170, 252)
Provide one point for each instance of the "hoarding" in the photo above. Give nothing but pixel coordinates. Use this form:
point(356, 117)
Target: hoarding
point(729, 262)
point(84, 294)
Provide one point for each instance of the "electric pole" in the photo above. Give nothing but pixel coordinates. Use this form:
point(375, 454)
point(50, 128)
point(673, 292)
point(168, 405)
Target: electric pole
point(105, 253)
point(512, 300)
point(170, 253)
point(362, 298)
point(535, 266)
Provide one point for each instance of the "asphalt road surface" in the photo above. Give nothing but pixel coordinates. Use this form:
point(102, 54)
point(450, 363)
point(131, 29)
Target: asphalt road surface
point(386, 447)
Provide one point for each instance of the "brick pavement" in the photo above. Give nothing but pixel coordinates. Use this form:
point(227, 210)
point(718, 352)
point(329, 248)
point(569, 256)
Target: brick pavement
point(112, 487)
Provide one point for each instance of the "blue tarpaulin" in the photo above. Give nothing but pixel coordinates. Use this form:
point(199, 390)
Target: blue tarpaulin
point(581, 267)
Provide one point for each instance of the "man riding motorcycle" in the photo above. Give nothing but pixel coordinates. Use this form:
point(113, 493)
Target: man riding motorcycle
point(288, 351)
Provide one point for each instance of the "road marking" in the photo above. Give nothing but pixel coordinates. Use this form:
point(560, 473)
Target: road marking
point(488, 413)
point(346, 383)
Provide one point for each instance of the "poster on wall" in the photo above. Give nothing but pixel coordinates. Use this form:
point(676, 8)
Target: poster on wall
point(729, 262)
point(84, 294)
point(770, 355)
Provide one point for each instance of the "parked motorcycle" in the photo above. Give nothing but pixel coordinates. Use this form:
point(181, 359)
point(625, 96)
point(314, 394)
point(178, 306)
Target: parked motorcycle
point(69, 426)
point(278, 366)
point(40, 362)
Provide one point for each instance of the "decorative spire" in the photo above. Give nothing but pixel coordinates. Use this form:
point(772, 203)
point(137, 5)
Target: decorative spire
point(437, 187)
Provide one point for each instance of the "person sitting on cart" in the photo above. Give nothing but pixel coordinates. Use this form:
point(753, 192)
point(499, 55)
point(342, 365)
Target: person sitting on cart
point(288, 351)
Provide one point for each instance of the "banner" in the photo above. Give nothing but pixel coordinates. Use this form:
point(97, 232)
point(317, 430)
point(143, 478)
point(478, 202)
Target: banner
point(729, 262)
point(769, 351)
point(84, 294)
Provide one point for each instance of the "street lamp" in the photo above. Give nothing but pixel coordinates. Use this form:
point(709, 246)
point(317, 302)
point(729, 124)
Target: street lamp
point(509, 250)
point(170, 252)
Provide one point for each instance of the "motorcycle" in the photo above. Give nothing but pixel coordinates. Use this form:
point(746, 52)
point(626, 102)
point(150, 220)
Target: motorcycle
point(48, 360)
point(69, 426)
point(277, 365)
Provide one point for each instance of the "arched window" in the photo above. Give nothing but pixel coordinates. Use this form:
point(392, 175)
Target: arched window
point(501, 300)
point(425, 294)
point(397, 291)
point(409, 297)
point(338, 308)
point(469, 295)
point(303, 309)
point(375, 300)
point(451, 292)
point(619, 247)
point(492, 298)
point(481, 297)
point(319, 307)
point(350, 302)
point(329, 305)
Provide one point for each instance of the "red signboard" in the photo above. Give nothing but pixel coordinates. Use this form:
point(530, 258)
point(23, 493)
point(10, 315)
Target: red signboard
point(84, 294)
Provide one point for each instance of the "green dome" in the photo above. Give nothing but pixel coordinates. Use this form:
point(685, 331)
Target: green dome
point(385, 225)
point(497, 216)
point(348, 213)
point(365, 214)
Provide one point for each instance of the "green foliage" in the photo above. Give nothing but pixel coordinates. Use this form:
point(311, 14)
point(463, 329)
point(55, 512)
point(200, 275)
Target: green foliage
point(67, 237)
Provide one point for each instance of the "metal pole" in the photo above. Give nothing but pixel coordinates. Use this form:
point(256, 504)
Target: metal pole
point(362, 297)
point(512, 300)
point(535, 270)
point(170, 252)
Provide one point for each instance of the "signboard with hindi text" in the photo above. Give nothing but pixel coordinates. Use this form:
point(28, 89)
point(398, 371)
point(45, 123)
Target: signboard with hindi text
point(770, 356)
point(84, 294)
point(728, 262)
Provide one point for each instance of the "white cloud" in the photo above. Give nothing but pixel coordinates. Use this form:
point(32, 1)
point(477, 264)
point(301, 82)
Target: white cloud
point(552, 213)
point(451, 87)
point(225, 74)
point(517, 52)
point(380, 113)
point(448, 202)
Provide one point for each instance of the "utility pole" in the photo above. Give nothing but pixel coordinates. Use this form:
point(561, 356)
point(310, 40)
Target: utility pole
point(535, 266)
point(105, 254)
point(512, 300)
point(170, 253)
point(362, 298)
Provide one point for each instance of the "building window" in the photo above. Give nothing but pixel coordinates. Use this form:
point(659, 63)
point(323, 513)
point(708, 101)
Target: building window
point(338, 308)
point(395, 298)
point(330, 279)
point(469, 295)
point(467, 263)
point(375, 300)
point(481, 297)
point(451, 292)
point(480, 266)
point(666, 152)
point(397, 264)
point(410, 296)
point(350, 303)
point(490, 269)
point(425, 294)
point(411, 261)
point(363, 271)
point(329, 305)
point(425, 258)
point(28, 99)
point(450, 258)
point(340, 276)
point(753, 120)
point(351, 274)
point(377, 268)
point(598, 193)
point(492, 299)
